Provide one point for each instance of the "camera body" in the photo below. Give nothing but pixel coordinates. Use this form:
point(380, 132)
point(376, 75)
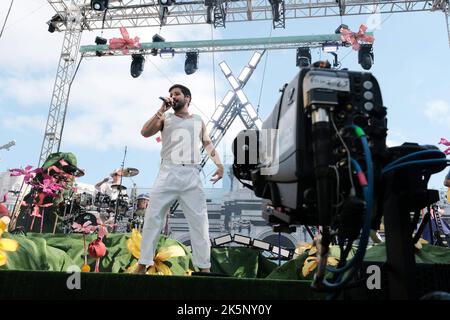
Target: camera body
point(304, 140)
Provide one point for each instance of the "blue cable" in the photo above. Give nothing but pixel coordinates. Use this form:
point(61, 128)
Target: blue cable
point(411, 155)
point(358, 251)
point(415, 162)
point(368, 196)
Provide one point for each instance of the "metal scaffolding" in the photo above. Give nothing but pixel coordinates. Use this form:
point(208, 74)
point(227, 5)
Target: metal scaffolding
point(58, 105)
point(273, 43)
point(74, 16)
point(146, 13)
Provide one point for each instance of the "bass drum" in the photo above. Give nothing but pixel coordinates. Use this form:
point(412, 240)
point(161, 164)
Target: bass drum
point(85, 217)
point(102, 200)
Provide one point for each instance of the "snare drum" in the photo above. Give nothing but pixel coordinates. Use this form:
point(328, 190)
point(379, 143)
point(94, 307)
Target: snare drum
point(102, 200)
point(122, 205)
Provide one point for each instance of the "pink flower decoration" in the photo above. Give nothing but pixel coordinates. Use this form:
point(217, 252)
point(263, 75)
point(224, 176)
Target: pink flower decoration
point(103, 226)
point(27, 172)
point(86, 228)
point(445, 142)
point(49, 187)
point(354, 38)
point(124, 43)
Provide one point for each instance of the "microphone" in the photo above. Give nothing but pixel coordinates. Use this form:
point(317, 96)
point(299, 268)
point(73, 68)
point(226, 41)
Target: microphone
point(166, 103)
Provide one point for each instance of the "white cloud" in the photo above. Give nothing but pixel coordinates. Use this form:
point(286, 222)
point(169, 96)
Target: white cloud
point(23, 122)
point(438, 110)
point(27, 91)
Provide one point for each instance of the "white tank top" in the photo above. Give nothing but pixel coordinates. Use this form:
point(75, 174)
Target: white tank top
point(180, 139)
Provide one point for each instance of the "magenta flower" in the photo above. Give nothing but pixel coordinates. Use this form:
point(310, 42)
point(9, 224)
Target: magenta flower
point(27, 172)
point(49, 187)
point(86, 228)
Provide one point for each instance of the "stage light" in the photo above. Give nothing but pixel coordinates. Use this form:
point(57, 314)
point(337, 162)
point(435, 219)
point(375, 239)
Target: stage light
point(275, 9)
point(261, 244)
point(228, 97)
point(223, 239)
point(303, 57)
point(100, 41)
point(255, 59)
point(280, 251)
point(51, 28)
point(330, 47)
point(166, 3)
point(242, 239)
point(225, 68)
point(156, 38)
point(251, 111)
point(217, 113)
point(137, 65)
point(99, 5)
point(365, 56)
point(167, 53)
point(234, 83)
point(191, 63)
point(242, 97)
point(245, 74)
point(54, 21)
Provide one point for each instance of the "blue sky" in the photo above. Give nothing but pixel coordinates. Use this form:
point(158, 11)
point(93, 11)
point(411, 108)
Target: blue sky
point(107, 107)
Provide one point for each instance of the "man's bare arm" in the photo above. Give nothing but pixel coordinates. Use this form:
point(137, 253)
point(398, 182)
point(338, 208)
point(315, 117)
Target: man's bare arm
point(155, 123)
point(213, 154)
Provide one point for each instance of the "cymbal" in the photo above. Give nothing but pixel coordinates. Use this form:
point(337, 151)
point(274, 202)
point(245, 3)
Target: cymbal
point(129, 172)
point(118, 187)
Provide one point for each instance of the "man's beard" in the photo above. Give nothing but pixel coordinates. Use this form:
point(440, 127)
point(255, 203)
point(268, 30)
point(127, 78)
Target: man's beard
point(178, 105)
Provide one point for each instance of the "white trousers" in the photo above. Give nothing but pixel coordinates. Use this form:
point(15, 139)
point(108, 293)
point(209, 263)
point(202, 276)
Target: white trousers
point(182, 183)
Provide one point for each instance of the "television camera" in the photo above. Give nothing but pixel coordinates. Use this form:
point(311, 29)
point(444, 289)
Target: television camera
point(321, 159)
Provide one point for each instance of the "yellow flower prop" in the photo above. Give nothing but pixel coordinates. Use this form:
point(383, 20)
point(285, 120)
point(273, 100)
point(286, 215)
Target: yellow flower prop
point(419, 243)
point(134, 243)
point(159, 267)
point(6, 244)
point(312, 261)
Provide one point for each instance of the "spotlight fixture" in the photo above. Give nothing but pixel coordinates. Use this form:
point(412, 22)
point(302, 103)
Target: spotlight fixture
point(261, 244)
point(166, 3)
point(137, 64)
point(51, 28)
point(278, 13)
point(167, 53)
point(156, 38)
point(365, 56)
point(303, 59)
point(242, 239)
point(100, 41)
point(280, 251)
point(99, 5)
point(222, 240)
point(330, 47)
point(341, 26)
point(275, 9)
point(191, 63)
point(54, 21)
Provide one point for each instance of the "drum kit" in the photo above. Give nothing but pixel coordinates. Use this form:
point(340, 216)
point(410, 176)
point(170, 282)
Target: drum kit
point(84, 206)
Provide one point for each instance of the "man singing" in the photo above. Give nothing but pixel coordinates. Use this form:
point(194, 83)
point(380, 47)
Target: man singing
point(182, 135)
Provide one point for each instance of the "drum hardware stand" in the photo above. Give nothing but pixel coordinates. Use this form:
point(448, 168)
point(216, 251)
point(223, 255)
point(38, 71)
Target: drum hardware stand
point(119, 195)
point(441, 237)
